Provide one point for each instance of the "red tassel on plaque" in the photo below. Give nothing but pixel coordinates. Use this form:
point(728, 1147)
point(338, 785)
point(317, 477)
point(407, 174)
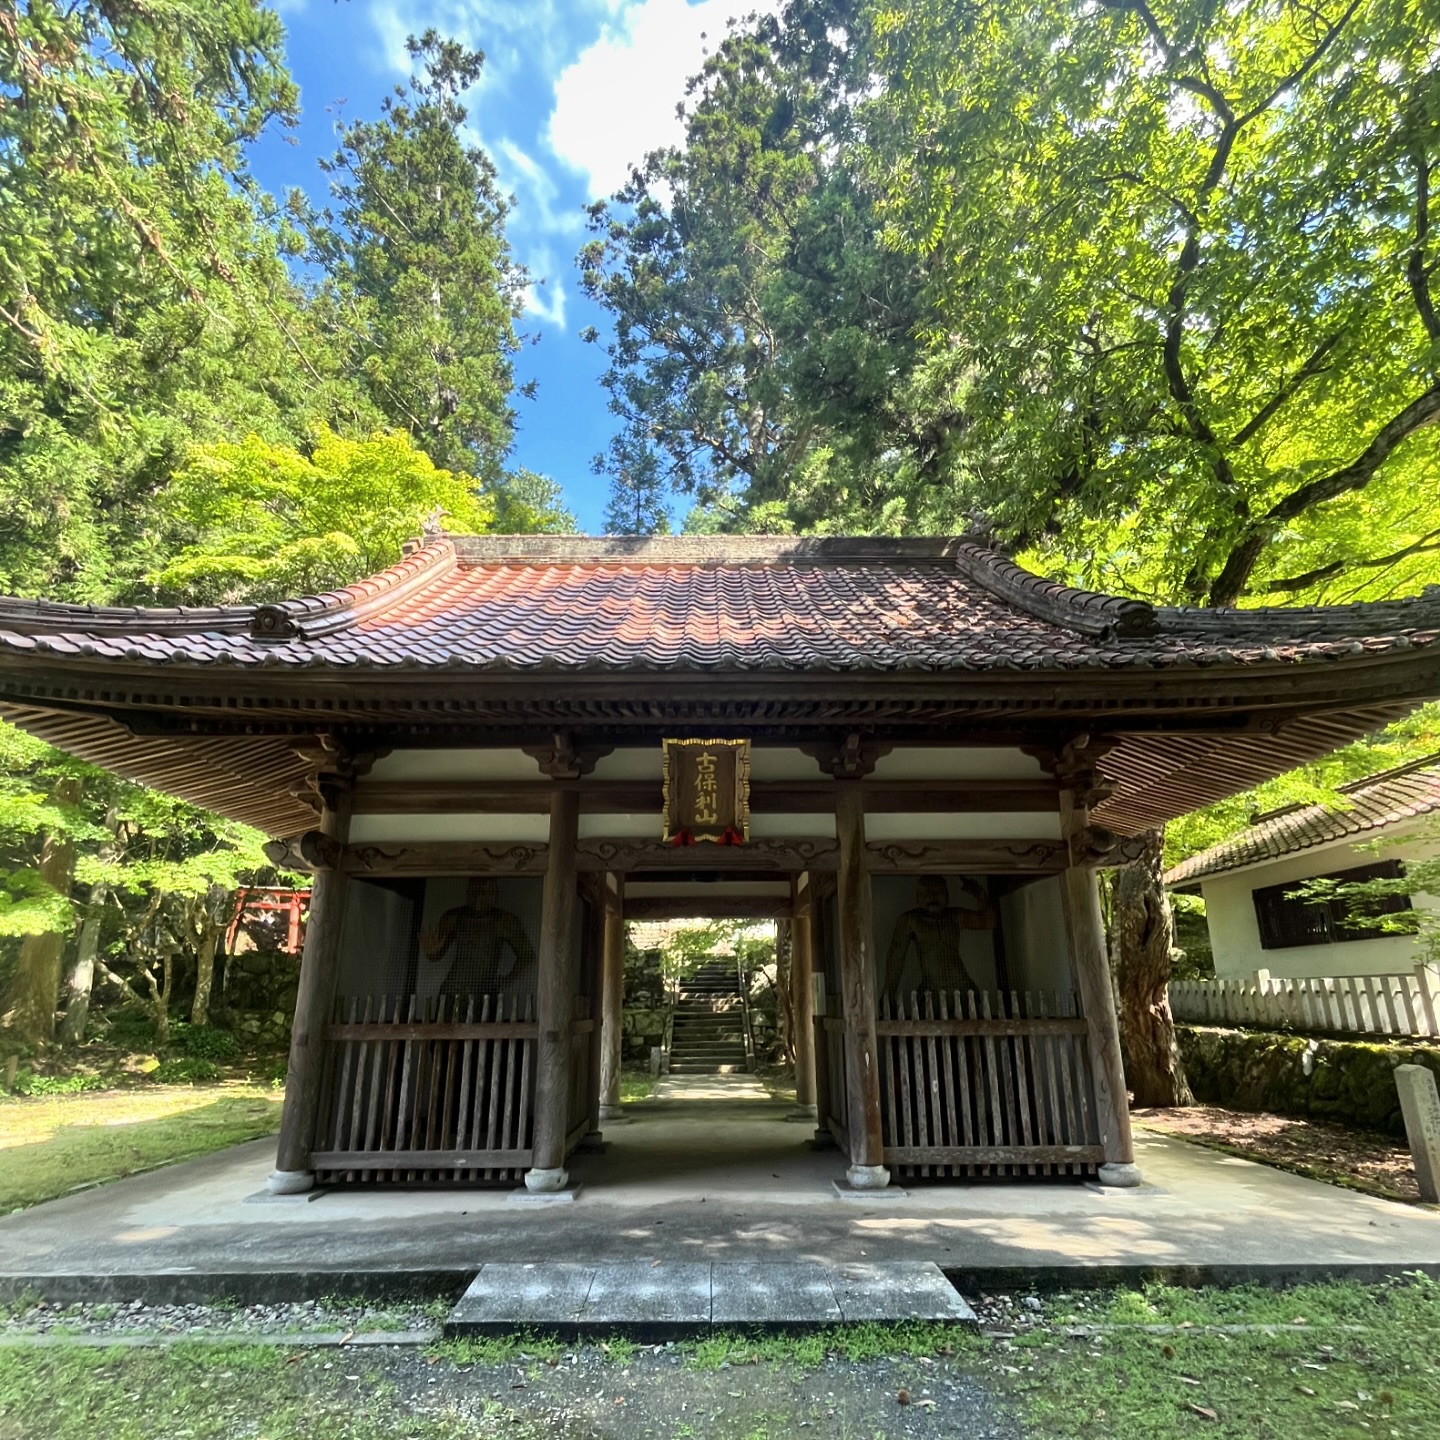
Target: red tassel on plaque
point(730, 836)
point(682, 837)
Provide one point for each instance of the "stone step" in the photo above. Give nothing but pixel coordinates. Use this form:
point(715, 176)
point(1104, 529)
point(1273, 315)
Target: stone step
point(680, 1297)
point(704, 1067)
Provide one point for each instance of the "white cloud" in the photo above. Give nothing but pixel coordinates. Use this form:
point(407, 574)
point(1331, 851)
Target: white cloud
point(516, 35)
point(537, 195)
point(545, 295)
point(617, 100)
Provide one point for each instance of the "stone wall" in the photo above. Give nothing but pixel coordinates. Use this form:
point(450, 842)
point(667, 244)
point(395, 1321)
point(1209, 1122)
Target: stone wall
point(1351, 1082)
point(260, 980)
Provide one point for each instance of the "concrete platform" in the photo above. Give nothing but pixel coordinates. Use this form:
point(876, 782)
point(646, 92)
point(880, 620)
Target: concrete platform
point(707, 1182)
point(669, 1298)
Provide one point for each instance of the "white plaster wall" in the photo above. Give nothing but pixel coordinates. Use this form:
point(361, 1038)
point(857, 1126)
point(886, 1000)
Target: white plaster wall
point(960, 762)
point(963, 825)
point(1235, 932)
point(1036, 945)
point(366, 829)
point(452, 764)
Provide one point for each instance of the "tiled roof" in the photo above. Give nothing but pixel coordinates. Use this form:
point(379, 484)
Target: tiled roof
point(533, 603)
point(1375, 803)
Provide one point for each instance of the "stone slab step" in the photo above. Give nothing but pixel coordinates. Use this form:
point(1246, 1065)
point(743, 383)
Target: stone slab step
point(677, 1297)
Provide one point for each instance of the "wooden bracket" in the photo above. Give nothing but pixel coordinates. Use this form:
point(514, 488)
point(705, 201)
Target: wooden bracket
point(312, 851)
point(562, 759)
point(853, 758)
point(1094, 847)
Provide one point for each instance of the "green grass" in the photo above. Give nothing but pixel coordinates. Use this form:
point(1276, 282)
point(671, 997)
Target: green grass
point(1322, 1361)
point(54, 1144)
point(1341, 1360)
point(636, 1085)
point(520, 1346)
point(193, 1392)
point(810, 1349)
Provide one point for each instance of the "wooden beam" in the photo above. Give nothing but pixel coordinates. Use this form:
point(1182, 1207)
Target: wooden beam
point(857, 985)
point(761, 855)
point(314, 1003)
point(802, 970)
point(422, 1159)
point(994, 1155)
point(612, 999)
point(424, 858)
point(1085, 928)
point(767, 797)
point(555, 997)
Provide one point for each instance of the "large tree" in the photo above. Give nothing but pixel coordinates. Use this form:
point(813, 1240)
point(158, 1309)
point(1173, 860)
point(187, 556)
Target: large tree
point(763, 350)
point(424, 292)
point(145, 298)
point(1181, 262)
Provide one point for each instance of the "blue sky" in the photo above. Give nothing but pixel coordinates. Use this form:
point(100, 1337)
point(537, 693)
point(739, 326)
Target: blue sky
point(573, 92)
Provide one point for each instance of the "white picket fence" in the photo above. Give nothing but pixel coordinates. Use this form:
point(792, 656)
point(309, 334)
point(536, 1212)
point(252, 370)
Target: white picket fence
point(1405, 1004)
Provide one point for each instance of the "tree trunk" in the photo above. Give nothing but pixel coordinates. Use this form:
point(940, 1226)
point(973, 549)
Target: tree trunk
point(81, 980)
point(1143, 950)
point(36, 990)
point(80, 983)
point(202, 928)
point(204, 976)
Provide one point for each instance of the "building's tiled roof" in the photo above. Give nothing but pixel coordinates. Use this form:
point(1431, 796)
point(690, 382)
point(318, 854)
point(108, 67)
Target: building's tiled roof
point(1375, 803)
point(573, 603)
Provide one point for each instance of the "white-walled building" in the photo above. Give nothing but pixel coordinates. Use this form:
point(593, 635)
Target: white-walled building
point(1256, 921)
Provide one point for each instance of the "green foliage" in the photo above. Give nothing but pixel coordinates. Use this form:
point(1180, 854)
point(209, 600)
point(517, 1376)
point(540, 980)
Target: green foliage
point(1180, 267)
point(28, 1083)
point(424, 292)
point(185, 1070)
point(260, 521)
point(763, 352)
point(1317, 783)
point(203, 1042)
point(145, 298)
point(737, 941)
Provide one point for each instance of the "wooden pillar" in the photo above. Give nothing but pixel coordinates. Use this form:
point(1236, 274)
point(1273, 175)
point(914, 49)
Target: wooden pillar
point(314, 1002)
point(612, 1000)
point(1085, 928)
point(802, 970)
point(857, 983)
point(554, 998)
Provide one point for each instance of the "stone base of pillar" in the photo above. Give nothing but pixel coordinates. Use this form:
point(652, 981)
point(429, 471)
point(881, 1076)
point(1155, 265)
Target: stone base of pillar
point(614, 1115)
point(867, 1177)
point(1122, 1176)
point(545, 1182)
point(804, 1115)
point(290, 1182)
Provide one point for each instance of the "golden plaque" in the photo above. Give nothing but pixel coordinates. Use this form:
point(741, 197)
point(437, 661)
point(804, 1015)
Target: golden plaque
point(707, 791)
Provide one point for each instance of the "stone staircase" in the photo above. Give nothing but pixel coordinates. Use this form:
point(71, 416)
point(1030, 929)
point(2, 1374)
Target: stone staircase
point(708, 1034)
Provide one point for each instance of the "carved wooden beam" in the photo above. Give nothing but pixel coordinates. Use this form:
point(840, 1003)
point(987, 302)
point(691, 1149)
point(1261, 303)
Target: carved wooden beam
point(446, 857)
point(313, 851)
point(468, 857)
point(630, 855)
point(1023, 856)
point(775, 797)
point(1094, 847)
